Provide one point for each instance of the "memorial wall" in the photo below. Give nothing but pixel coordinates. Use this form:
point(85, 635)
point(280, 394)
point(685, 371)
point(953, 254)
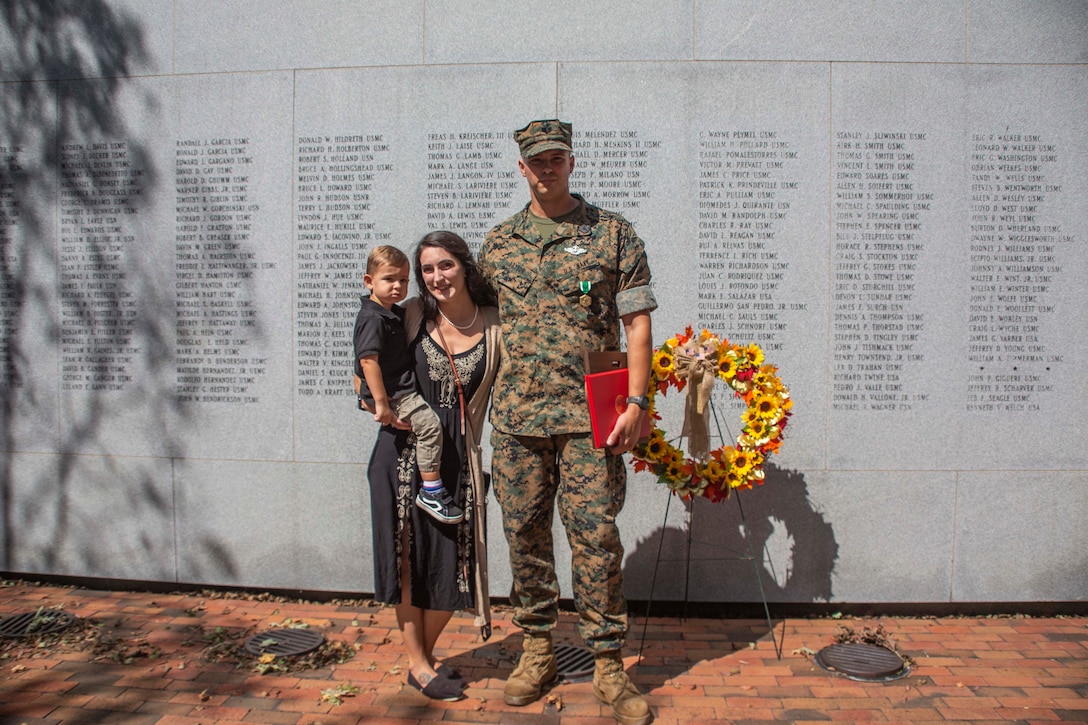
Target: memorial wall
point(892, 201)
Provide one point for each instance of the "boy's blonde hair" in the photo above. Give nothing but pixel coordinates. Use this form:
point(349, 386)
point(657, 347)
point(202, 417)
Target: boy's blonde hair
point(385, 254)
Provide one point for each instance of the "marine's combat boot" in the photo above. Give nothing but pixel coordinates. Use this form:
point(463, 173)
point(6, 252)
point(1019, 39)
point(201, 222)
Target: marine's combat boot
point(612, 687)
point(536, 668)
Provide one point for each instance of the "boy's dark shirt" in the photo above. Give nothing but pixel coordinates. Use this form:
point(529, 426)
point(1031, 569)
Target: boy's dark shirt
point(381, 332)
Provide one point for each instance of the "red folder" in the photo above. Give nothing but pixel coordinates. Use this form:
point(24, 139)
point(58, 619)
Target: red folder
point(607, 396)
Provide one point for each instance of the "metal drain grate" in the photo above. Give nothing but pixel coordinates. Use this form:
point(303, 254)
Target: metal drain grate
point(39, 622)
point(575, 663)
point(859, 661)
point(284, 642)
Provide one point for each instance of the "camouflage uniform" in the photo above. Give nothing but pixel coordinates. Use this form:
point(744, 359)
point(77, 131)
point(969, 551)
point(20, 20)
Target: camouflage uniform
point(558, 298)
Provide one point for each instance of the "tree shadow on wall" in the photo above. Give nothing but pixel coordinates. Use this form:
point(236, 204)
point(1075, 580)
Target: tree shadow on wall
point(704, 555)
point(86, 319)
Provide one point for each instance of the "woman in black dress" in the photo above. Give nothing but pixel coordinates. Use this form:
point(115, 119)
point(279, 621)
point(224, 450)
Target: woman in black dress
point(425, 568)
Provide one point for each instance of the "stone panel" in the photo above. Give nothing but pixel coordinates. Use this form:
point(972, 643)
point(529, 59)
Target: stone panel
point(384, 156)
point(116, 322)
point(251, 35)
point(477, 31)
point(1021, 540)
point(294, 526)
point(722, 170)
point(230, 259)
point(925, 32)
point(91, 516)
point(51, 40)
point(1022, 31)
point(174, 270)
point(956, 220)
point(29, 380)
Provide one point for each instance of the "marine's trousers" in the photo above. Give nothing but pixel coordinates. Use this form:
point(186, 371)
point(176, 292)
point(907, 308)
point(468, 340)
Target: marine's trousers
point(530, 475)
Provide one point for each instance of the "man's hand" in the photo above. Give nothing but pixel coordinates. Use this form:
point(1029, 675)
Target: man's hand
point(624, 435)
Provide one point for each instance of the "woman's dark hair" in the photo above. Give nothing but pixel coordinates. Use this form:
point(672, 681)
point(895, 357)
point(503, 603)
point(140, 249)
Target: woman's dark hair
point(479, 289)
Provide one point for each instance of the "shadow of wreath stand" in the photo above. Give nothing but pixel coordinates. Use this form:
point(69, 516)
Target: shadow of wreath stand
point(739, 556)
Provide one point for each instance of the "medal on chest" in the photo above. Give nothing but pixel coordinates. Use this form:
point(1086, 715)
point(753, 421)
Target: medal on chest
point(585, 300)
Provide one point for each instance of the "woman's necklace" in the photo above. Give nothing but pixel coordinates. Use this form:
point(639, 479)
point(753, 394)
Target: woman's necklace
point(461, 327)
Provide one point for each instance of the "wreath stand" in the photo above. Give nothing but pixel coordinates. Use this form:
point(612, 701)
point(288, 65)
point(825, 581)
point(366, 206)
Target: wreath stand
point(687, 562)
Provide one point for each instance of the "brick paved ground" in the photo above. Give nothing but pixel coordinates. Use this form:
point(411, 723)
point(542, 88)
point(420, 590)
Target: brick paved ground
point(150, 666)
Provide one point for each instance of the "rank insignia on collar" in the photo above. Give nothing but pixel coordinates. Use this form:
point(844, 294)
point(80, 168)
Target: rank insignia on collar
point(585, 229)
point(575, 250)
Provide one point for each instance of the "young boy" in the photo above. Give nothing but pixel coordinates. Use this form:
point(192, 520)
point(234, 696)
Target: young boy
point(388, 381)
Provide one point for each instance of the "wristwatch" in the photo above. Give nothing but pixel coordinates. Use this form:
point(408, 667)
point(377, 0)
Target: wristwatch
point(640, 400)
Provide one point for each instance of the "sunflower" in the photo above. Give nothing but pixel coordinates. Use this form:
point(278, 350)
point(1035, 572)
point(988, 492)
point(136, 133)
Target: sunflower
point(754, 353)
point(749, 416)
point(766, 406)
point(714, 470)
point(727, 366)
point(741, 460)
point(765, 379)
point(664, 364)
point(757, 428)
point(756, 461)
point(674, 470)
point(656, 446)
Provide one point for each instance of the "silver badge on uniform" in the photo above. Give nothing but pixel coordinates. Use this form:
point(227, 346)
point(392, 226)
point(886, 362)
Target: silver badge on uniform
point(576, 250)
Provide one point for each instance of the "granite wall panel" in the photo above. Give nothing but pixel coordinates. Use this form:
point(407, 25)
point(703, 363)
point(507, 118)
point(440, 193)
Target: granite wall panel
point(872, 30)
point(251, 35)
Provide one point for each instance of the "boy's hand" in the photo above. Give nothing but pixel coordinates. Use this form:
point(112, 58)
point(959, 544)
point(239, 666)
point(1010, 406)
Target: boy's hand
point(384, 414)
point(397, 422)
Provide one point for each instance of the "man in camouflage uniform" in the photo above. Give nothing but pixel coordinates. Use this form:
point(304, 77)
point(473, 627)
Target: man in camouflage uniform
point(567, 273)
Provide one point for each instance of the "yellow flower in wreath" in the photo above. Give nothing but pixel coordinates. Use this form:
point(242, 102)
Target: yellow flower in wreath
point(766, 406)
point(656, 447)
point(674, 469)
point(750, 415)
point(743, 461)
point(757, 428)
point(727, 366)
point(767, 410)
point(714, 469)
point(764, 379)
point(735, 479)
point(664, 364)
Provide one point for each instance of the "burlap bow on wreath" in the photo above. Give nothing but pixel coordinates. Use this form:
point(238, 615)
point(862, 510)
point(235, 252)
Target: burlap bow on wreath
point(700, 374)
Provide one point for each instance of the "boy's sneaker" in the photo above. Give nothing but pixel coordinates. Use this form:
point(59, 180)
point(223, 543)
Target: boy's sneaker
point(440, 506)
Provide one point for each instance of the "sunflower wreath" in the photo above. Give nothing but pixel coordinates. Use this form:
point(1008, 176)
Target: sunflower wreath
point(696, 361)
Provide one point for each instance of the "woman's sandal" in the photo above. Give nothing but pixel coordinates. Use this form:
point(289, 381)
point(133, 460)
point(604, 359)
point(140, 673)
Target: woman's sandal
point(440, 688)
